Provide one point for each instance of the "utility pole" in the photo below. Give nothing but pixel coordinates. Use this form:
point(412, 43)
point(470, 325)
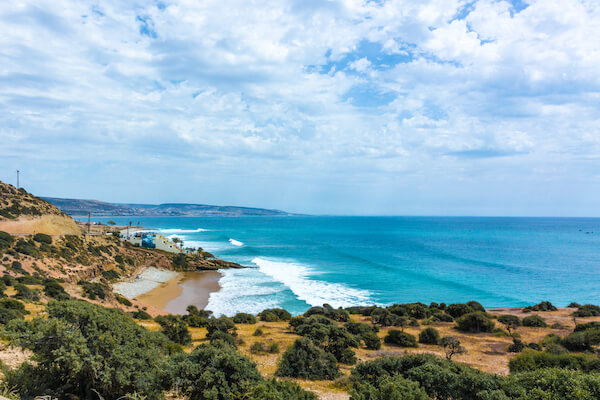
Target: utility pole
point(17, 179)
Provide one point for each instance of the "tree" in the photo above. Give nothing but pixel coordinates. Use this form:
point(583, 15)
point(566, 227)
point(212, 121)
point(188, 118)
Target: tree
point(510, 321)
point(534, 321)
point(82, 346)
point(305, 360)
point(474, 322)
point(429, 336)
point(215, 372)
point(452, 346)
point(175, 328)
point(399, 338)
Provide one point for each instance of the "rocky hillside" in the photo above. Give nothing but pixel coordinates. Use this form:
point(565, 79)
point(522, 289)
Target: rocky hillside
point(24, 213)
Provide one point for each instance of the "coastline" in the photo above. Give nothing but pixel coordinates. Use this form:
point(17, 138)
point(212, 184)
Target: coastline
point(174, 295)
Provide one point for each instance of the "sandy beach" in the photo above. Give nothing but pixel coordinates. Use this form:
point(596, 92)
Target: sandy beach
point(187, 288)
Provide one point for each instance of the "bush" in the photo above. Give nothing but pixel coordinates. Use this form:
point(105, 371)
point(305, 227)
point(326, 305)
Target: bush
point(510, 321)
point(123, 300)
point(258, 347)
point(42, 238)
point(543, 306)
point(111, 275)
point(93, 290)
point(257, 332)
point(399, 338)
point(27, 248)
point(18, 268)
point(215, 372)
point(55, 290)
point(175, 329)
point(99, 348)
point(458, 310)
point(337, 315)
point(11, 309)
point(224, 337)
point(586, 326)
point(383, 317)
point(6, 240)
point(530, 361)
point(552, 383)
point(305, 360)
point(443, 317)
point(141, 315)
point(517, 346)
point(534, 321)
point(429, 336)
point(372, 341)
point(587, 310)
point(360, 328)
point(474, 322)
point(582, 340)
point(243, 318)
point(24, 293)
point(273, 348)
point(279, 390)
point(389, 388)
point(274, 315)
point(221, 324)
point(475, 306)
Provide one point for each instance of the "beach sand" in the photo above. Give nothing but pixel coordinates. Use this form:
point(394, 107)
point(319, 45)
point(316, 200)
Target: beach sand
point(187, 288)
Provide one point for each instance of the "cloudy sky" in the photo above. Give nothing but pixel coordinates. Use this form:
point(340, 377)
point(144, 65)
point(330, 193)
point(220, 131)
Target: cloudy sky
point(397, 107)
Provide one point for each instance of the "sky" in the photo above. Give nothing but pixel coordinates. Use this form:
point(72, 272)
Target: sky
point(397, 107)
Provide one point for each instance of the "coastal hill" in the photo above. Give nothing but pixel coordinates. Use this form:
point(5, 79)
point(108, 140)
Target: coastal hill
point(79, 207)
point(23, 213)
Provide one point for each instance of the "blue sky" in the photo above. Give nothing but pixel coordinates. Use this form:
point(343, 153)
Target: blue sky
point(398, 107)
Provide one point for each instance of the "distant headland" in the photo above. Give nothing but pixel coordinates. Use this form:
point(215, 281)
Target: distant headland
point(78, 207)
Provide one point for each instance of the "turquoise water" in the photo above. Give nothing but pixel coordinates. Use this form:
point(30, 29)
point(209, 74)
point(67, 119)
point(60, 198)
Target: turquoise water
point(302, 261)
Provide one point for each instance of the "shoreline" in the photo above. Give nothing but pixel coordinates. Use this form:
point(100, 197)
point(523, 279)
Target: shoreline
point(187, 288)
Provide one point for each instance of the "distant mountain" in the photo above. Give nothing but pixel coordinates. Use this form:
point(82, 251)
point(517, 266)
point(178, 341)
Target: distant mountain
point(101, 208)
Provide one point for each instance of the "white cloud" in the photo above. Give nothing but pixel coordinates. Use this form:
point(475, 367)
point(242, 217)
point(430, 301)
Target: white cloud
point(264, 86)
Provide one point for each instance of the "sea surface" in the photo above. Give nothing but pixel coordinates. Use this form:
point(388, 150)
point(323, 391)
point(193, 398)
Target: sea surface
point(301, 261)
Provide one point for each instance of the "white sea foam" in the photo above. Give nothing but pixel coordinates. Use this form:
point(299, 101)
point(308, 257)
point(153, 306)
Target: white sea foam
point(244, 290)
point(236, 242)
point(314, 292)
point(176, 230)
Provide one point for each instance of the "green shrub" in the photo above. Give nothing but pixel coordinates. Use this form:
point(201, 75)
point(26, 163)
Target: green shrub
point(273, 348)
point(244, 318)
point(517, 346)
point(55, 290)
point(93, 290)
point(458, 310)
point(111, 275)
point(221, 324)
point(582, 340)
point(305, 360)
point(360, 328)
point(274, 315)
point(223, 337)
point(174, 328)
point(24, 293)
point(389, 388)
point(543, 306)
point(141, 315)
point(475, 306)
point(11, 309)
point(587, 310)
point(258, 332)
point(399, 338)
point(534, 321)
point(123, 300)
point(42, 238)
point(443, 317)
point(372, 341)
point(429, 336)
point(274, 389)
point(26, 247)
point(258, 347)
point(215, 372)
point(586, 326)
point(6, 240)
point(551, 383)
point(337, 315)
point(99, 348)
point(474, 322)
point(510, 321)
point(530, 361)
point(383, 317)
point(18, 268)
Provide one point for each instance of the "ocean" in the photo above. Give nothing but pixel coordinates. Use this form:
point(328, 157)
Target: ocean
point(300, 261)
